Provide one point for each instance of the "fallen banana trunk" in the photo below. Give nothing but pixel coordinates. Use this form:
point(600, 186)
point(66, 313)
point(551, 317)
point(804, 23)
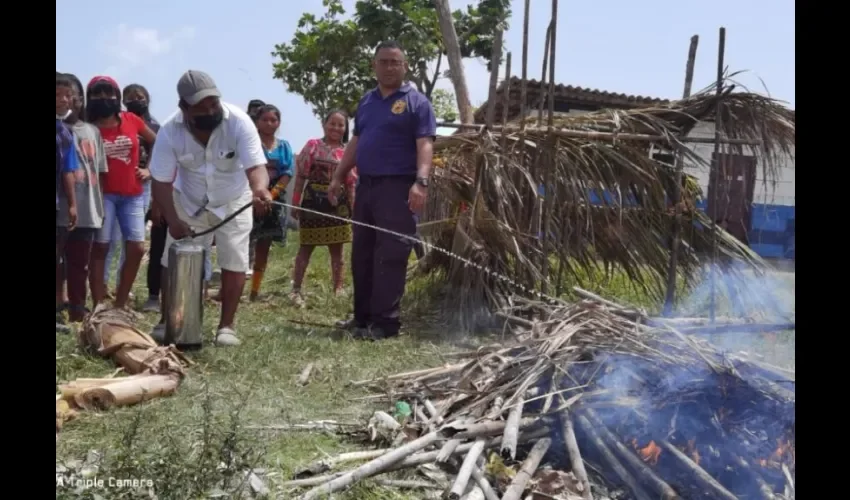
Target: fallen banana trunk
point(110, 333)
point(126, 391)
point(154, 371)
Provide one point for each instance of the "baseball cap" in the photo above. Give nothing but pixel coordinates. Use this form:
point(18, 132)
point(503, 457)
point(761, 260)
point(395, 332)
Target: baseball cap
point(194, 86)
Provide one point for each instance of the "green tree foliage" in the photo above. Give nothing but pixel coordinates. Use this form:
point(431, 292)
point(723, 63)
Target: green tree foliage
point(328, 61)
point(445, 107)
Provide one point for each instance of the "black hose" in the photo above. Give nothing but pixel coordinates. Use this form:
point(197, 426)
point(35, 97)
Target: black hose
point(223, 222)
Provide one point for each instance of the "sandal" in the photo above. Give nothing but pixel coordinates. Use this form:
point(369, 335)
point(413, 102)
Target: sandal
point(297, 299)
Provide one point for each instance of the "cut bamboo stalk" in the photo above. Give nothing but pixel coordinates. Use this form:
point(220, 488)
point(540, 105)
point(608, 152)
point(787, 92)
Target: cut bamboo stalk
point(420, 458)
point(374, 466)
point(407, 484)
point(439, 370)
point(699, 473)
point(648, 476)
point(610, 136)
point(715, 173)
point(326, 464)
point(512, 430)
point(476, 493)
point(482, 482)
point(529, 466)
point(576, 461)
point(764, 489)
point(465, 472)
point(613, 463)
point(448, 449)
point(677, 191)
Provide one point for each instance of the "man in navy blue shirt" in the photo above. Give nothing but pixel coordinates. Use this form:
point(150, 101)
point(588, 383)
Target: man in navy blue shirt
point(394, 132)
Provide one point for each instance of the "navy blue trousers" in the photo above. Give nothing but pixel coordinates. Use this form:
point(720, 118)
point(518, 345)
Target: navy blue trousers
point(379, 260)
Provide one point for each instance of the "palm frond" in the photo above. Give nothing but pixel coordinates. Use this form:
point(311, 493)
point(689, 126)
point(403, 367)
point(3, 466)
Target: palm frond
point(630, 229)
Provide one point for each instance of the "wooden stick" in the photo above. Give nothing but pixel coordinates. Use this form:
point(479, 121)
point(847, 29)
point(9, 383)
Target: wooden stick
point(529, 466)
point(326, 464)
point(699, 473)
point(373, 467)
point(422, 458)
point(465, 472)
point(318, 425)
point(575, 455)
point(607, 136)
point(644, 472)
point(475, 493)
point(305, 374)
point(715, 174)
point(439, 370)
point(482, 482)
point(613, 463)
point(407, 484)
point(764, 488)
point(512, 430)
point(677, 191)
point(448, 450)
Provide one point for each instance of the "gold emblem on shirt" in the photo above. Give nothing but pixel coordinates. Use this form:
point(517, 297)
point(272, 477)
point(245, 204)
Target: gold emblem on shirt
point(398, 107)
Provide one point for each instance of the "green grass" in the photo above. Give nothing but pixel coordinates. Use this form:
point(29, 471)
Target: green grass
point(179, 442)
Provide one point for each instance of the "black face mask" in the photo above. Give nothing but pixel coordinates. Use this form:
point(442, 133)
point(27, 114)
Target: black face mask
point(138, 108)
point(102, 108)
point(207, 123)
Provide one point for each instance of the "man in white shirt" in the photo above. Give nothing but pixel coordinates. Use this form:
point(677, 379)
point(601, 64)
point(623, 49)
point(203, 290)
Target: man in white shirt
point(212, 152)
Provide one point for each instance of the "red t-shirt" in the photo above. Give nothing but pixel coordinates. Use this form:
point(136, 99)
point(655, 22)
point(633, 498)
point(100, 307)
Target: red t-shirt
point(121, 144)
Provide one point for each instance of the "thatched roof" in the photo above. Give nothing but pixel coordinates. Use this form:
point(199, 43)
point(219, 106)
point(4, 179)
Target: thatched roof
point(632, 232)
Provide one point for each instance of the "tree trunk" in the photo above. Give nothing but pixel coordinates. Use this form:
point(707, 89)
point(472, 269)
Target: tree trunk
point(447, 28)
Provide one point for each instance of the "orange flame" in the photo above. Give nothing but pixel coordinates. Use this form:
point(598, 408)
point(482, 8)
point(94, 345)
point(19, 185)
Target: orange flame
point(649, 453)
point(784, 453)
point(692, 450)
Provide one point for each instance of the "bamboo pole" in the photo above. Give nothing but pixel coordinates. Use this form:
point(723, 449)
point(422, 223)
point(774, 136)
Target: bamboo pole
point(607, 136)
point(677, 191)
point(548, 192)
point(506, 99)
point(715, 167)
point(523, 105)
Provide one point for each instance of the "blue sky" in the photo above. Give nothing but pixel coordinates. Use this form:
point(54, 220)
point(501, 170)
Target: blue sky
point(618, 45)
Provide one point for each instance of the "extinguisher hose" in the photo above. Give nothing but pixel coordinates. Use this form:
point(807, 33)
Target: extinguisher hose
point(223, 222)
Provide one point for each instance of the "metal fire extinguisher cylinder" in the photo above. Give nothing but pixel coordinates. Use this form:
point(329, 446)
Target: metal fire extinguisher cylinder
point(184, 317)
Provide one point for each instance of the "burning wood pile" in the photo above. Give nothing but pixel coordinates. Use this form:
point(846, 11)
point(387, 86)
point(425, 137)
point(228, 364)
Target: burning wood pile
point(154, 371)
point(593, 400)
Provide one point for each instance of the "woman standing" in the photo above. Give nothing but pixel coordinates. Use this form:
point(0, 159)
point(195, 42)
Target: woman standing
point(279, 162)
point(75, 246)
point(123, 189)
point(316, 164)
point(137, 100)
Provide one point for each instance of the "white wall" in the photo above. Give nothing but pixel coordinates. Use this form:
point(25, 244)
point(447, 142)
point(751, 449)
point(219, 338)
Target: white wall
point(779, 193)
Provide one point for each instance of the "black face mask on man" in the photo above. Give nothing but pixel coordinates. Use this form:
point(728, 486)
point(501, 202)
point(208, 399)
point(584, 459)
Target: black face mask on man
point(102, 108)
point(138, 108)
point(207, 123)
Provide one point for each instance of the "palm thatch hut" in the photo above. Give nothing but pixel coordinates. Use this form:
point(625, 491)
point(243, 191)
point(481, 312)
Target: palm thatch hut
point(588, 195)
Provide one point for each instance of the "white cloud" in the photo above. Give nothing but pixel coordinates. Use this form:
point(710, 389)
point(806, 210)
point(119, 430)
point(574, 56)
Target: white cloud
point(128, 47)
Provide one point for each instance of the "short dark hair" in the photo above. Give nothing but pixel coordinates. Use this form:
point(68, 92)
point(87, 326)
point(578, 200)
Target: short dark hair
point(388, 44)
point(255, 103)
point(82, 94)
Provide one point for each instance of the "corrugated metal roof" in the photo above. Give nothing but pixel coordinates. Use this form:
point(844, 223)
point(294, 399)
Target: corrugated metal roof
point(570, 93)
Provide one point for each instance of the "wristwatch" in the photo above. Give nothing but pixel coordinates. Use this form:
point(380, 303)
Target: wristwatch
point(422, 181)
